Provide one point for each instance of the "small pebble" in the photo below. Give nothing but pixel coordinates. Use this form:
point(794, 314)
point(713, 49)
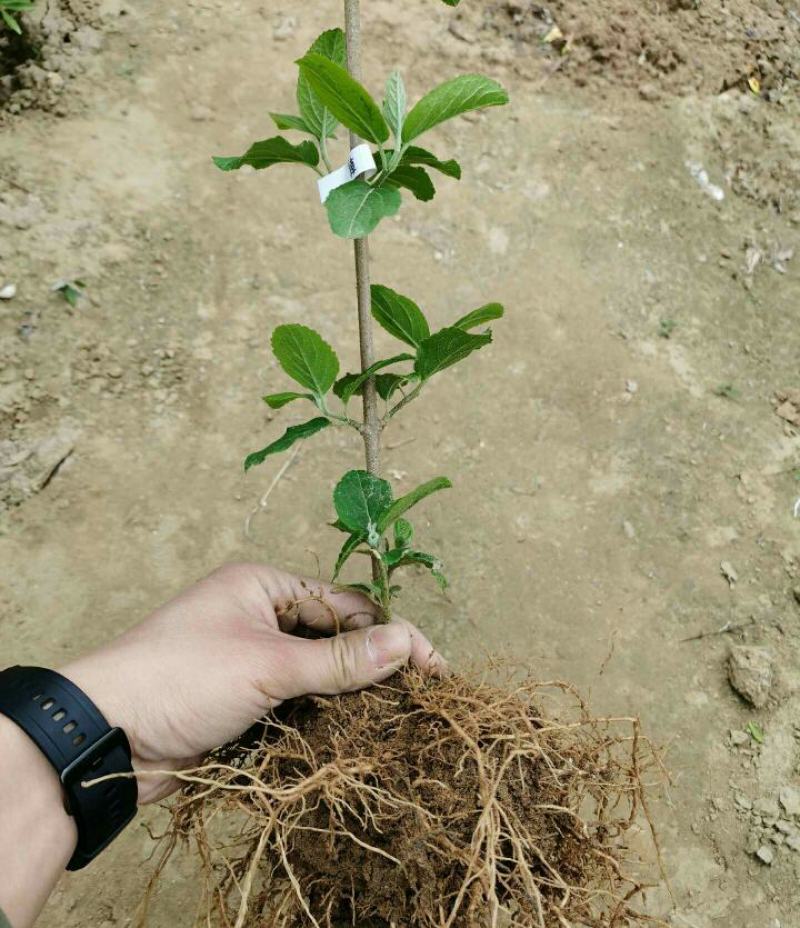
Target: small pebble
point(767, 808)
point(8, 292)
point(284, 29)
point(200, 113)
point(765, 854)
point(631, 386)
point(728, 572)
point(789, 798)
point(649, 92)
point(739, 737)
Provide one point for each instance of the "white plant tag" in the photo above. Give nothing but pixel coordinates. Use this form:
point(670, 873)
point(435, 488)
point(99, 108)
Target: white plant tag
point(359, 162)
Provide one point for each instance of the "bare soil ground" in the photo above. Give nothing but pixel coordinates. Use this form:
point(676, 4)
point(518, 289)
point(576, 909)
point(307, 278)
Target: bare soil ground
point(626, 454)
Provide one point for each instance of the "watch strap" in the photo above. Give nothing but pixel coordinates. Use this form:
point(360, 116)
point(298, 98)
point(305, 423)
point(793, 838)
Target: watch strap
point(80, 744)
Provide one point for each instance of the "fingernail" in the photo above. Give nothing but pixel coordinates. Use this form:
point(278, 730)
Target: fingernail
point(388, 644)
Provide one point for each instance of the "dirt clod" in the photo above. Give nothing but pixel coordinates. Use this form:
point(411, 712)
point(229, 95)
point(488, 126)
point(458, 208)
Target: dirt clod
point(751, 673)
point(789, 798)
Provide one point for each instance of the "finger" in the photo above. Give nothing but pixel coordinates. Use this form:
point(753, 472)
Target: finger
point(350, 661)
point(423, 654)
point(316, 604)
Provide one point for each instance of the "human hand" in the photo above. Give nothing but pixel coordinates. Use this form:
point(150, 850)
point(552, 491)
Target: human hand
point(202, 668)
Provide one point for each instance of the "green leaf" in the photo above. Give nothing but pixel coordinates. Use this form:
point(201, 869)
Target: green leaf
point(401, 506)
point(403, 533)
point(451, 2)
point(71, 294)
point(402, 558)
point(394, 104)
point(264, 154)
point(453, 97)
point(320, 121)
point(417, 180)
point(386, 384)
point(445, 348)
point(285, 121)
point(277, 400)
point(345, 387)
point(360, 500)
point(755, 731)
point(347, 549)
point(9, 20)
point(480, 316)
point(399, 315)
point(415, 155)
point(349, 102)
point(290, 436)
point(306, 357)
point(355, 208)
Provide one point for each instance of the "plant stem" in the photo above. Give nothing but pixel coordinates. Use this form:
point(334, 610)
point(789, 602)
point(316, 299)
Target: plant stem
point(372, 425)
point(323, 150)
point(408, 398)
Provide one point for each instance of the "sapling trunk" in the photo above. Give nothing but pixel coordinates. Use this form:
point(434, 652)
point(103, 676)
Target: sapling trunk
point(371, 432)
point(372, 427)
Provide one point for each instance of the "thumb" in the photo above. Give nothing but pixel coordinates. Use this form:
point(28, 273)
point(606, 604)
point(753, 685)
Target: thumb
point(352, 660)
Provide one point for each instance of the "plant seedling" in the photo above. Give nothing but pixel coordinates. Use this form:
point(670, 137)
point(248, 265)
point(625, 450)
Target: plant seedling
point(425, 786)
point(726, 391)
point(7, 10)
point(666, 327)
point(755, 731)
point(330, 96)
point(70, 290)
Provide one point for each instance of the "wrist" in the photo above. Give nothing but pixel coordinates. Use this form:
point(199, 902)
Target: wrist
point(99, 676)
point(38, 834)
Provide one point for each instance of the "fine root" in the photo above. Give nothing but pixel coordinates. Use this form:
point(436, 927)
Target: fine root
point(424, 803)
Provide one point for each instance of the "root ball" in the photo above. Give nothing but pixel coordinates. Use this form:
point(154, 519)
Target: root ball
point(449, 803)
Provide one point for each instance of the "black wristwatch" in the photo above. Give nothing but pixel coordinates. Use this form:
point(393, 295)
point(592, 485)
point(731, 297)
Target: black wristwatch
point(73, 735)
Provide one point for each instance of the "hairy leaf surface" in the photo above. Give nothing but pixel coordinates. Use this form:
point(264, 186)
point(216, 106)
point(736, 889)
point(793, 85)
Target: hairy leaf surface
point(319, 119)
point(394, 104)
point(360, 500)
